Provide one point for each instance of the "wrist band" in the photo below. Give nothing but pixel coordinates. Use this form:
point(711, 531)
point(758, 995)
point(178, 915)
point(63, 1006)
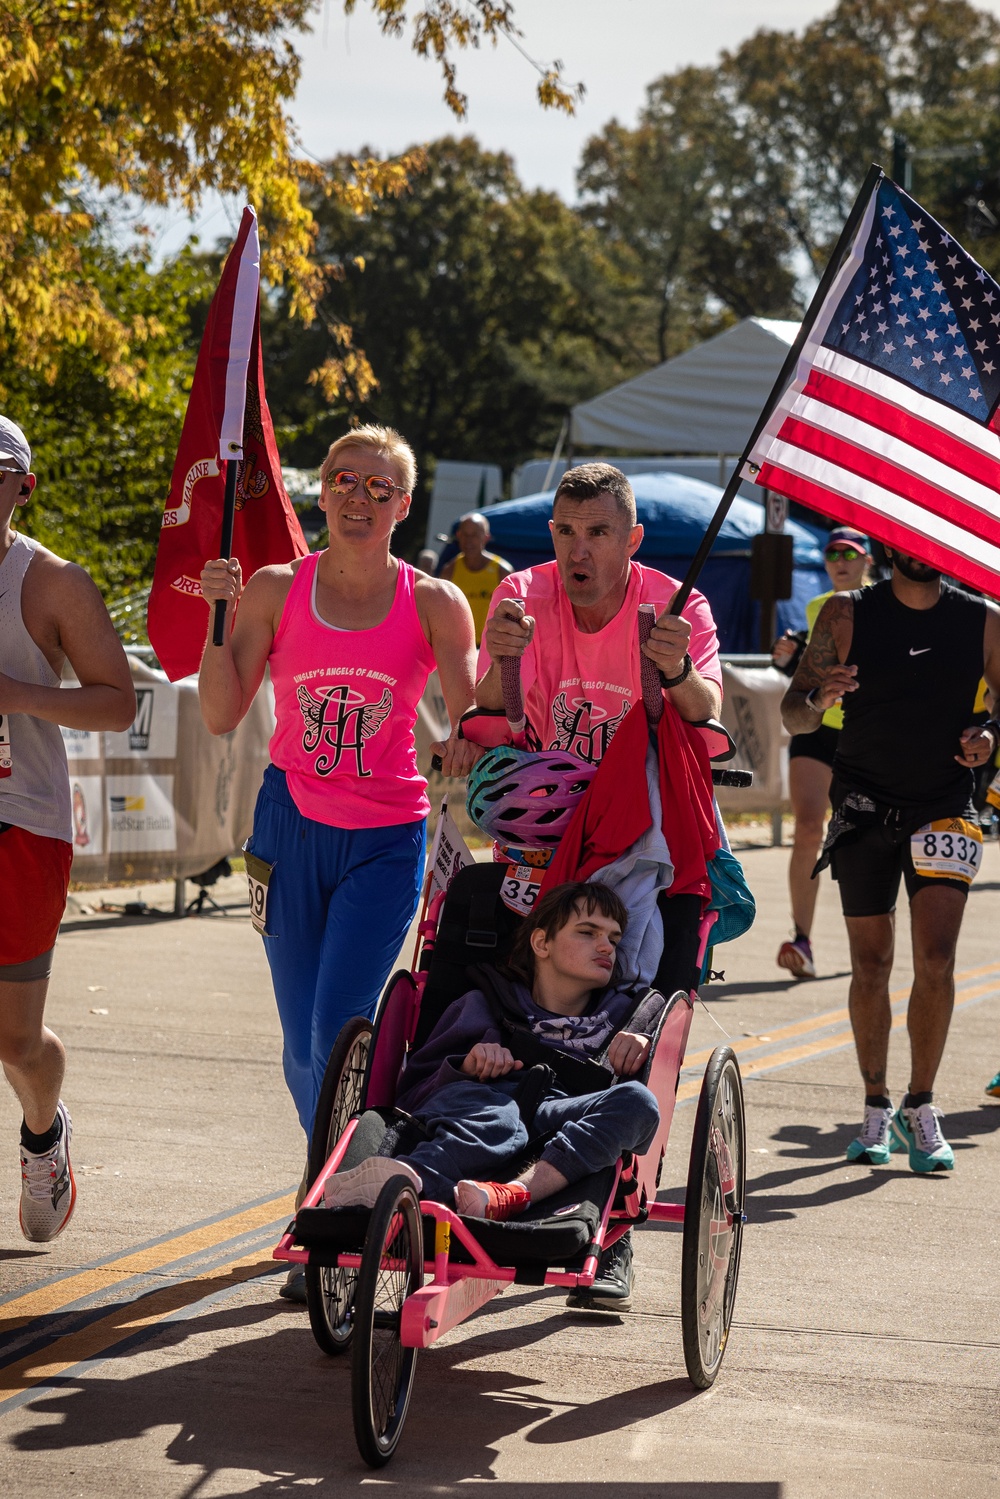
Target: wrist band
point(681, 676)
point(810, 704)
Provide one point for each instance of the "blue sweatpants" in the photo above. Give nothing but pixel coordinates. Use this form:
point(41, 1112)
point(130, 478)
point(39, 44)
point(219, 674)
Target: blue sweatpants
point(475, 1131)
point(339, 903)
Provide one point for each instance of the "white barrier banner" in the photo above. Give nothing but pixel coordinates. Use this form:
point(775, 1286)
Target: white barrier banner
point(751, 711)
point(164, 798)
point(141, 814)
point(88, 815)
point(152, 734)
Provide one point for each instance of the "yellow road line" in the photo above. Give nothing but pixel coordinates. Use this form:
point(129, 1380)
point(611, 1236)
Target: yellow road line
point(60, 1293)
point(802, 1027)
point(123, 1322)
point(817, 1048)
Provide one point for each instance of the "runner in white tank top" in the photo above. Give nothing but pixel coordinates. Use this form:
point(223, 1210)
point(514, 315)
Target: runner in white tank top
point(337, 848)
point(50, 612)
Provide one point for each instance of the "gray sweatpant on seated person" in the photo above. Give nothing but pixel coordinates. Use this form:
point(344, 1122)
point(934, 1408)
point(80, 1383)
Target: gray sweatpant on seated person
point(475, 1131)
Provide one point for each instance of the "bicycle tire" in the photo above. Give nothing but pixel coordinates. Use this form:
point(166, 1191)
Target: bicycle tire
point(382, 1370)
point(713, 1218)
point(330, 1290)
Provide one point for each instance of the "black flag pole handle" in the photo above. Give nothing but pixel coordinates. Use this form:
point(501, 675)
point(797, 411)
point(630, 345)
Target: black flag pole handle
point(868, 187)
point(226, 547)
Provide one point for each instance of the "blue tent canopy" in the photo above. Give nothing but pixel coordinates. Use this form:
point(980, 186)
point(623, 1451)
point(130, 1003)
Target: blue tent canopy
point(675, 513)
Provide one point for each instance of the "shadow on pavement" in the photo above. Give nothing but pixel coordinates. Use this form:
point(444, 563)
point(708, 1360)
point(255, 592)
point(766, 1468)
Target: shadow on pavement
point(766, 986)
point(272, 1408)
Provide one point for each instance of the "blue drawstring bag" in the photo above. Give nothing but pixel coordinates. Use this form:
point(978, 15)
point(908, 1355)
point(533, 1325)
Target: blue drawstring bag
point(731, 897)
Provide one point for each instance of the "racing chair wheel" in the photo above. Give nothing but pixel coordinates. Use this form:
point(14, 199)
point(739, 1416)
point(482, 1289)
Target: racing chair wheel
point(713, 1218)
point(329, 1290)
point(382, 1370)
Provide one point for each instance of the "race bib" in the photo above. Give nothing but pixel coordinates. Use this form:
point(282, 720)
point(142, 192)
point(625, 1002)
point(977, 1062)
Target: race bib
point(5, 760)
point(948, 849)
point(521, 888)
point(258, 876)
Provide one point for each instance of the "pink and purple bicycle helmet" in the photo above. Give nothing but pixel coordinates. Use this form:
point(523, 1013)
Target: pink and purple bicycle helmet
point(526, 797)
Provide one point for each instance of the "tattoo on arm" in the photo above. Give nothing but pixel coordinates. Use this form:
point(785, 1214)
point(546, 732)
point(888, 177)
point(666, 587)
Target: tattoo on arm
point(830, 634)
point(823, 648)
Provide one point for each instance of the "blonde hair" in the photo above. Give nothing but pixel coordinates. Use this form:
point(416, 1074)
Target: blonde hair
point(385, 442)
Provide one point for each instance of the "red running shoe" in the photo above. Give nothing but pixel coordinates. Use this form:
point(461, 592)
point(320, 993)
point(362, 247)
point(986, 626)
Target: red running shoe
point(493, 1200)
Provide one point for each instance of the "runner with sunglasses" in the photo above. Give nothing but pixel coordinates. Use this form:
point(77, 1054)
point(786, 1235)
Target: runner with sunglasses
point(350, 635)
point(810, 757)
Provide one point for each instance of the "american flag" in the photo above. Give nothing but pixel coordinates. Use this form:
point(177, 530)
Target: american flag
point(891, 422)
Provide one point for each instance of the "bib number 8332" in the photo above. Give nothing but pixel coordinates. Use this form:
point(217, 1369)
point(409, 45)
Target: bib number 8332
point(949, 849)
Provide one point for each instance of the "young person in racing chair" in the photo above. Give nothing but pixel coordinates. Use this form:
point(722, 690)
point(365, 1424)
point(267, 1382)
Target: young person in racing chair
point(573, 625)
point(481, 1108)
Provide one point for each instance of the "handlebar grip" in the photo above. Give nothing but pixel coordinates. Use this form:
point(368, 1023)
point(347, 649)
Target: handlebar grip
point(652, 692)
point(436, 762)
point(740, 778)
point(513, 699)
point(219, 622)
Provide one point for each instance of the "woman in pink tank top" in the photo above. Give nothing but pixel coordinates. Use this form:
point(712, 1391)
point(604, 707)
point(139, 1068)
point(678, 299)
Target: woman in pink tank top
point(350, 635)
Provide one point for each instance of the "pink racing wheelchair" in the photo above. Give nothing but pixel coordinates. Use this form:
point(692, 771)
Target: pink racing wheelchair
point(387, 1281)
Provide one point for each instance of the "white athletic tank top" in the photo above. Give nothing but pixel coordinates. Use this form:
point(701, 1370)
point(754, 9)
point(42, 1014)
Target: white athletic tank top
point(34, 779)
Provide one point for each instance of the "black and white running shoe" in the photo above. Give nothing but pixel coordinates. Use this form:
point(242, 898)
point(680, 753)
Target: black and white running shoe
point(48, 1187)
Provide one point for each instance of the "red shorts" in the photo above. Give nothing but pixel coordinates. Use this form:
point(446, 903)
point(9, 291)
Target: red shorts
point(34, 880)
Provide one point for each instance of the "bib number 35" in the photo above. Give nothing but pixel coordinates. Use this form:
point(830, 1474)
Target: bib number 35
point(521, 888)
point(949, 849)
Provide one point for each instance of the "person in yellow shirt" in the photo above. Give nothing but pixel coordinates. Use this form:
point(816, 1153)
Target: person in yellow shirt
point(810, 759)
point(475, 570)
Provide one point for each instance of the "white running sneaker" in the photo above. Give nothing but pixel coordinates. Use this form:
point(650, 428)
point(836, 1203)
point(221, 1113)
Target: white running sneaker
point(918, 1132)
point(872, 1145)
point(48, 1186)
point(360, 1187)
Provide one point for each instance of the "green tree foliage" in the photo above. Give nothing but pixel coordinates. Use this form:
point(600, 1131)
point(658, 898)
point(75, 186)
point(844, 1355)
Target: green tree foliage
point(726, 198)
point(678, 201)
point(103, 454)
point(163, 101)
point(485, 310)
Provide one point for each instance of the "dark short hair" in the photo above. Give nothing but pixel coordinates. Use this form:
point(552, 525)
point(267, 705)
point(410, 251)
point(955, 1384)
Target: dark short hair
point(554, 911)
point(588, 480)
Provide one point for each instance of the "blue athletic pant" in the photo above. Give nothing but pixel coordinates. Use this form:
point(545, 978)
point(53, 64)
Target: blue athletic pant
point(339, 903)
point(476, 1132)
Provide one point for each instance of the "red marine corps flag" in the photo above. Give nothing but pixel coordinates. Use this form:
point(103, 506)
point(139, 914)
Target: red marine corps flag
point(227, 435)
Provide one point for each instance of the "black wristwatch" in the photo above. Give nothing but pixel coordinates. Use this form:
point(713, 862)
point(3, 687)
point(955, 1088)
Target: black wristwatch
point(681, 676)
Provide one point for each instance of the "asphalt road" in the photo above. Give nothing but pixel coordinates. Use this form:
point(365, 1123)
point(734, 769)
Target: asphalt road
point(145, 1351)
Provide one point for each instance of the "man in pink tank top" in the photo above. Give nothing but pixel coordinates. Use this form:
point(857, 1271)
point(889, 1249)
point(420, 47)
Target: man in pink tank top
point(350, 635)
point(574, 625)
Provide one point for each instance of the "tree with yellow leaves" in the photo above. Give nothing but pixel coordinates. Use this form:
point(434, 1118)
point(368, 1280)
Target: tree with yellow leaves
point(161, 101)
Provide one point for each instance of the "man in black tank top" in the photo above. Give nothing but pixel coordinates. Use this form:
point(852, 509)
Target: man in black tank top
point(906, 657)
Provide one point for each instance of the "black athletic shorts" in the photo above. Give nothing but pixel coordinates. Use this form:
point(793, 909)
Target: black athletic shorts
point(868, 869)
point(821, 745)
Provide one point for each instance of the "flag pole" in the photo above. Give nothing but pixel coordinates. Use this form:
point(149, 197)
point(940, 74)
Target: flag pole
point(226, 546)
point(871, 182)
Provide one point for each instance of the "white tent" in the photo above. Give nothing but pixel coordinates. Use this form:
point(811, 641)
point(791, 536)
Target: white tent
point(704, 401)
